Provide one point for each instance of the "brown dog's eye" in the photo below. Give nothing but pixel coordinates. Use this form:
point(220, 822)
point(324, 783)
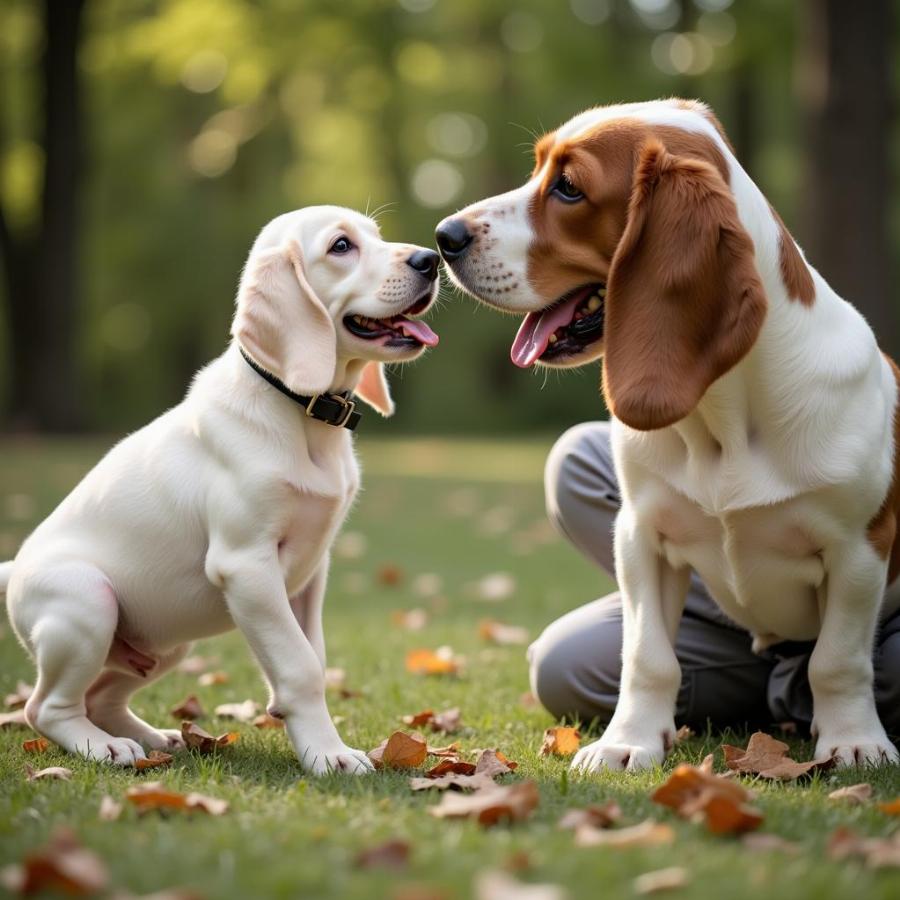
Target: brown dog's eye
point(566, 191)
point(341, 245)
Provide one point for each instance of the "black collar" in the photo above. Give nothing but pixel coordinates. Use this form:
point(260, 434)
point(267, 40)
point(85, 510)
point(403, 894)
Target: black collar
point(332, 409)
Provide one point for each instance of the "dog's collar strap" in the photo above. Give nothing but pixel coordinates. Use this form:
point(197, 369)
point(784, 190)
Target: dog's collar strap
point(332, 409)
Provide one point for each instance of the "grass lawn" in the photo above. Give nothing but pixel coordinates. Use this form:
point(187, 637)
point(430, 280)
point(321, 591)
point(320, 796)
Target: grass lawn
point(460, 511)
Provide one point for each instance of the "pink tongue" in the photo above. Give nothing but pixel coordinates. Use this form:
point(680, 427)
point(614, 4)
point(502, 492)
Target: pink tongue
point(534, 333)
point(416, 328)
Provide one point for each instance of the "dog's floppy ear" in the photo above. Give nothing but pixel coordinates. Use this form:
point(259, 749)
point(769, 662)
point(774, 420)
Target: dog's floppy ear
point(684, 299)
point(373, 388)
point(282, 324)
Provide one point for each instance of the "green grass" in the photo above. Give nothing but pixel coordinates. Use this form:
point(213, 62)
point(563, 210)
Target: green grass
point(428, 507)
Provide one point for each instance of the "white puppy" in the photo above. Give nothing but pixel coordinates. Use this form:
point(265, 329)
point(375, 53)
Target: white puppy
point(221, 512)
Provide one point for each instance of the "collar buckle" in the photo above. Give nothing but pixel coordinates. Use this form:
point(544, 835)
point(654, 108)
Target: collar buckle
point(348, 408)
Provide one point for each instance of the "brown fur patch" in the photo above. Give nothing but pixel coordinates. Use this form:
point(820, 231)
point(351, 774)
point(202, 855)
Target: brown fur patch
point(882, 530)
point(794, 272)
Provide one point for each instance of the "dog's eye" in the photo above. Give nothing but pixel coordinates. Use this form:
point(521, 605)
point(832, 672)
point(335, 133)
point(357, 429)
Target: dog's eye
point(565, 190)
point(341, 245)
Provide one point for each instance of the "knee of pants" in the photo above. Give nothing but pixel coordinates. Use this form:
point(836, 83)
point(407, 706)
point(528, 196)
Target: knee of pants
point(573, 680)
point(887, 684)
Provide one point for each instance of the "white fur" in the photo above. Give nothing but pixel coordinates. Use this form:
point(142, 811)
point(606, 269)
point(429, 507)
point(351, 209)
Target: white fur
point(220, 513)
point(766, 489)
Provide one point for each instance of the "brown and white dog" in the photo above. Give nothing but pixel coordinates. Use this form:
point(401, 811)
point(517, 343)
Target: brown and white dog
point(755, 421)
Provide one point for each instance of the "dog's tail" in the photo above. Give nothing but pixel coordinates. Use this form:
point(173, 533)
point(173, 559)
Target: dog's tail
point(5, 575)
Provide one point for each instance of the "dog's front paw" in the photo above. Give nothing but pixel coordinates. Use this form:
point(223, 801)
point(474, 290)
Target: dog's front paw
point(631, 757)
point(864, 750)
point(343, 759)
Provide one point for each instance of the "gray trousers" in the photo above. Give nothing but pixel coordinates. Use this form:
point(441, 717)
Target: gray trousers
point(576, 662)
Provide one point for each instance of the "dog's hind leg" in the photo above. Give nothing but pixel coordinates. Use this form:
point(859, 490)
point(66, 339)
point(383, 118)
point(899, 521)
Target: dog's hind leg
point(66, 615)
point(107, 703)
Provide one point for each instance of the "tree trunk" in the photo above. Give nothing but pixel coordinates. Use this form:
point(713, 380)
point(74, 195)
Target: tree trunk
point(847, 86)
point(41, 273)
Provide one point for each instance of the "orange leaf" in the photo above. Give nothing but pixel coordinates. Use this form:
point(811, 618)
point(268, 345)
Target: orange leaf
point(153, 795)
point(153, 760)
point(392, 854)
point(400, 751)
point(63, 866)
point(492, 804)
point(36, 745)
point(208, 679)
point(451, 766)
point(892, 808)
point(768, 758)
point(189, 708)
point(266, 721)
point(389, 575)
point(420, 718)
point(428, 662)
point(561, 741)
point(195, 738)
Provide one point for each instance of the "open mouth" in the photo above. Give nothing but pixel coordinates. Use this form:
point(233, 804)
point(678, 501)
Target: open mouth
point(565, 328)
point(395, 331)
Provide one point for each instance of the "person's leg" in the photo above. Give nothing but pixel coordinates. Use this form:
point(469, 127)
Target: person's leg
point(887, 677)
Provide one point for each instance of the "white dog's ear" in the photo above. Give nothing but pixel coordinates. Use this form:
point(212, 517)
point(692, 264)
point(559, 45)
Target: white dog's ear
point(283, 325)
point(373, 388)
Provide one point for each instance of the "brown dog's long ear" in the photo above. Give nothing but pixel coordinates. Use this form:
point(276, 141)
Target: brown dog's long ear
point(684, 299)
point(373, 388)
point(283, 325)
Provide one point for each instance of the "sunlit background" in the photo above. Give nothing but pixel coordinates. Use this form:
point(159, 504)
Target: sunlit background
point(129, 200)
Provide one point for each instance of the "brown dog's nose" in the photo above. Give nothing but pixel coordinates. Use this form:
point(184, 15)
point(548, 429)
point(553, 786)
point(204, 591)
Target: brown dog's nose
point(425, 262)
point(453, 238)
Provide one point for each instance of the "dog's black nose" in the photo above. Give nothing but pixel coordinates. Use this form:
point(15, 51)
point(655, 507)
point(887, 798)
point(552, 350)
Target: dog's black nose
point(425, 262)
point(453, 238)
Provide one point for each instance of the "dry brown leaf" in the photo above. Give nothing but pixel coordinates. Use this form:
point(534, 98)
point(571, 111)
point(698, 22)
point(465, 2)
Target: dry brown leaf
point(500, 885)
point(153, 795)
point(684, 733)
point(595, 816)
point(419, 718)
point(451, 767)
point(446, 722)
point(891, 808)
point(767, 843)
point(410, 619)
point(451, 751)
point(195, 738)
point(767, 757)
point(431, 662)
point(877, 852)
point(110, 809)
point(14, 719)
point(57, 772)
point(155, 759)
point(208, 679)
point(389, 575)
point(493, 763)
point(661, 880)
point(491, 804)
point(499, 633)
point(707, 765)
point(855, 795)
point(19, 697)
point(561, 741)
point(36, 745)
point(460, 781)
point(400, 751)
point(63, 866)
point(723, 804)
point(645, 834)
point(264, 720)
point(242, 712)
point(189, 708)
point(391, 855)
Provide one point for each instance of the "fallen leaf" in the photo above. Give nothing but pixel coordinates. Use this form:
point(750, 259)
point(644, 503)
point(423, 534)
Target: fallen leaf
point(14, 719)
point(683, 734)
point(57, 772)
point(400, 751)
point(451, 767)
point(520, 861)
point(389, 575)
point(493, 763)
point(595, 816)
point(189, 708)
point(645, 834)
point(500, 885)
point(877, 852)
point(208, 679)
point(446, 722)
point(500, 633)
point(460, 781)
point(661, 880)
point(420, 718)
point(154, 760)
point(494, 587)
point(351, 545)
point(153, 795)
point(891, 808)
point(264, 720)
point(392, 855)
point(767, 757)
point(110, 809)
point(855, 795)
point(19, 697)
point(491, 804)
point(764, 842)
point(562, 741)
point(196, 665)
point(410, 619)
point(451, 751)
point(431, 662)
point(242, 712)
point(36, 745)
point(428, 584)
point(195, 738)
point(63, 866)
point(707, 765)
point(723, 804)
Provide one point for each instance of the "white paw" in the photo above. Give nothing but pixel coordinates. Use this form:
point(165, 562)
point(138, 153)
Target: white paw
point(117, 751)
point(163, 739)
point(618, 757)
point(867, 750)
point(343, 759)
